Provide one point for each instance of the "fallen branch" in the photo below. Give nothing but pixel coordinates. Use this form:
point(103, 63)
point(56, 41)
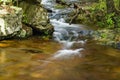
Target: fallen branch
point(78, 9)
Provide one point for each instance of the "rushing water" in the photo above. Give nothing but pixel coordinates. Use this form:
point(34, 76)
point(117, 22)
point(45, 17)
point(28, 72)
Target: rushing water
point(65, 33)
point(68, 57)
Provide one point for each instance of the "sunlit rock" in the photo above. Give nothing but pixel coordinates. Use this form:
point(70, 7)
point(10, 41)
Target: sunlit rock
point(10, 21)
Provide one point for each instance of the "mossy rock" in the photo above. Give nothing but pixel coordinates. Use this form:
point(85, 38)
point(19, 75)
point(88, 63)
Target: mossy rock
point(107, 37)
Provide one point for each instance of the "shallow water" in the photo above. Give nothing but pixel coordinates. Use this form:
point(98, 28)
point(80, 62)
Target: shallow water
point(31, 59)
point(69, 58)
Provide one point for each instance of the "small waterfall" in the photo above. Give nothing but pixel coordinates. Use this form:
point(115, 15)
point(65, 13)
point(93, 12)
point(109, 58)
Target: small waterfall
point(66, 54)
point(64, 33)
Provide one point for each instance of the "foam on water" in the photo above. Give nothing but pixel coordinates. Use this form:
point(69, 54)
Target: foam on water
point(59, 23)
point(64, 33)
point(46, 2)
point(66, 54)
point(67, 44)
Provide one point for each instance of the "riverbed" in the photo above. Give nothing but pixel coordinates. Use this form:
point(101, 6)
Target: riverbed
point(32, 59)
point(68, 56)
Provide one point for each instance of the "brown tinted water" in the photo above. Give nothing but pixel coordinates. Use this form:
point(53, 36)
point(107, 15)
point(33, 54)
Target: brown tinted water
point(29, 60)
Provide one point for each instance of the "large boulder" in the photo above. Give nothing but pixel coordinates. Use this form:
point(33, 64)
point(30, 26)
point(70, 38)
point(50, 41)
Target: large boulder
point(36, 16)
point(10, 21)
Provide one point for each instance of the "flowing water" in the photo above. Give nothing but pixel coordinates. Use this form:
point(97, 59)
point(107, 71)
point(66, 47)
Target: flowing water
point(68, 57)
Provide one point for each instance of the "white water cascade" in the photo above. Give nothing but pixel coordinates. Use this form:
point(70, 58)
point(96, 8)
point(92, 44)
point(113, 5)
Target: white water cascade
point(64, 33)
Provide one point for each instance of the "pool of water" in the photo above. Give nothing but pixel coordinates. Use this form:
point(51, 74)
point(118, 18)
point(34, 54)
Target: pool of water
point(68, 57)
point(31, 59)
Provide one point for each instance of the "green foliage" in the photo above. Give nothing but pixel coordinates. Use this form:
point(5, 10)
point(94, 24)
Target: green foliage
point(46, 32)
point(46, 35)
point(98, 14)
point(117, 4)
point(102, 5)
point(117, 19)
point(100, 24)
point(109, 20)
point(25, 18)
point(103, 35)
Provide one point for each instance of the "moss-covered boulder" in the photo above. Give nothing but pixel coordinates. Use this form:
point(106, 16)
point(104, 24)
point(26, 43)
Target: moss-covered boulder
point(108, 37)
point(11, 23)
point(36, 16)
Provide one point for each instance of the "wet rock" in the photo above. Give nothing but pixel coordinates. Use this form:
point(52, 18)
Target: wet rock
point(31, 50)
point(24, 32)
point(118, 45)
point(36, 16)
point(107, 37)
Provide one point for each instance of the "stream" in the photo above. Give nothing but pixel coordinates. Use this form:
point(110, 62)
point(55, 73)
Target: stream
point(65, 33)
point(68, 56)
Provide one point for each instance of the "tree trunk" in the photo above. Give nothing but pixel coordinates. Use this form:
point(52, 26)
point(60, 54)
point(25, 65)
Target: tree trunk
point(119, 4)
point(110, 6)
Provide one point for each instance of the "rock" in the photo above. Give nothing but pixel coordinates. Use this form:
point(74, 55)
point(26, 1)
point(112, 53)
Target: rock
point(107, 37)
point(10, 22)
point(36, 16)
point(24, 32)
point(118, 45)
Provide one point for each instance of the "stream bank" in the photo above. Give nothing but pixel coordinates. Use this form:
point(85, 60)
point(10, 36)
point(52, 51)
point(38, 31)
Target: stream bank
point(94, 14)
point(30, 18)
point(70, 56)
point(35, 16)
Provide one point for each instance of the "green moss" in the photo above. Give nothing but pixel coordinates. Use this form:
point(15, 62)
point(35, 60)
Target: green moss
point(25, 18)
point(59, 6)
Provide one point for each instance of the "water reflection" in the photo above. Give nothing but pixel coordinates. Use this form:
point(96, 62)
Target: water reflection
point(24, 61)
point(2, 56)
